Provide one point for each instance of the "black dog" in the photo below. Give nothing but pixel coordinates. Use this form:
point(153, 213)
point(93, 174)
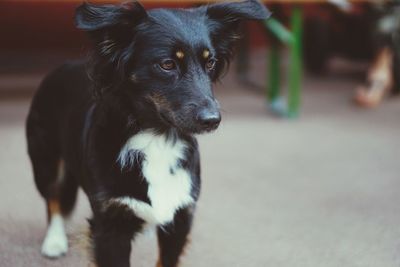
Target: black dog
point(122, 125)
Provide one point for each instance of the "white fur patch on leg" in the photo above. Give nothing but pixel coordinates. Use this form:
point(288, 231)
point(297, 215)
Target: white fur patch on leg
point(55, 243)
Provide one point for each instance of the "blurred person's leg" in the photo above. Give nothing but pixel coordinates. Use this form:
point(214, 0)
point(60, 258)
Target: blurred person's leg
point(379, 79)
point(383, 77)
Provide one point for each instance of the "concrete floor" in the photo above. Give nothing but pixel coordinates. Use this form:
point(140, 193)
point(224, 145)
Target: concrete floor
point(323, 190)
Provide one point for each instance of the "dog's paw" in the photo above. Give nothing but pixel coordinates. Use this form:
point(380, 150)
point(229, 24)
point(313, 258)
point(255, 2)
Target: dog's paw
point(55, 243)
point(54, 246)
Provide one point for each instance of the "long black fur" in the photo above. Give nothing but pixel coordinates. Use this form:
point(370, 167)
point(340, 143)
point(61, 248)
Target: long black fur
point(83, 113)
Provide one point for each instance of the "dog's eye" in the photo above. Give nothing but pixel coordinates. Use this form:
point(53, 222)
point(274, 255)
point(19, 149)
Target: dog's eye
point(210, 64)
point(168, 64)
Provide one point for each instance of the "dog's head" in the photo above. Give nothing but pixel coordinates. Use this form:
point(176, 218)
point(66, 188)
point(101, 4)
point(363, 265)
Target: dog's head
point(165, 60)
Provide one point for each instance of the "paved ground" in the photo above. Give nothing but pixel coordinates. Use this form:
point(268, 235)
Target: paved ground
point(323, 190)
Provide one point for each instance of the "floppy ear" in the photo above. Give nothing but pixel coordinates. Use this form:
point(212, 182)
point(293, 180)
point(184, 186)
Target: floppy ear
point(111, 27)
point(224, 21)
point(234, 11)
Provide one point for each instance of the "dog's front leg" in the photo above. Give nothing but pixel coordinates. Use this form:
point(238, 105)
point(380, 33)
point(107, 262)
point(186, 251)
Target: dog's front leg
point(172, 238)
point(112, 240)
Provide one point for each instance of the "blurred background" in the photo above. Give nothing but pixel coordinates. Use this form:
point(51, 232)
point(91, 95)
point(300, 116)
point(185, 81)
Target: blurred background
point(303, 171)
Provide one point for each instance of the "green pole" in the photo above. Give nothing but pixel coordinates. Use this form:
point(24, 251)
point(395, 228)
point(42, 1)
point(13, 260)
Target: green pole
point(278, 30)
point(295, 68)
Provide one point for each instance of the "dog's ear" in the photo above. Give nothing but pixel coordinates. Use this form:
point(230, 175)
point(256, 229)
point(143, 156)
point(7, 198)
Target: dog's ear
point(233, 11)
point(224, 23)
point(111, 27)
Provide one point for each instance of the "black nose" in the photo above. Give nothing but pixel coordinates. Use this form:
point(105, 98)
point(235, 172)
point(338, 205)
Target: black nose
point(208, 120)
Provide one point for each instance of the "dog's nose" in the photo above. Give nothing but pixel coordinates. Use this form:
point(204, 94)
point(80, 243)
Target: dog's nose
point(209, 120)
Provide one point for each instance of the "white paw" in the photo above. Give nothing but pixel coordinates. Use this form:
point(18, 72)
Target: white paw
point(54, 248)
point(55, 243)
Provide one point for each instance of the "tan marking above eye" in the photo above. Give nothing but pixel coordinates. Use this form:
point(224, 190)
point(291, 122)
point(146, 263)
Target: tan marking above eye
point(206, 53)
point(180, 54)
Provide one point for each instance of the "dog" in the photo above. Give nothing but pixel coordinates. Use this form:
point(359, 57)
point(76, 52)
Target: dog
point(123, 124)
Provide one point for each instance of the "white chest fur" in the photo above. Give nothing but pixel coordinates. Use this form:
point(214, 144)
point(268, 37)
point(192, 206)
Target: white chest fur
point(169, 185)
